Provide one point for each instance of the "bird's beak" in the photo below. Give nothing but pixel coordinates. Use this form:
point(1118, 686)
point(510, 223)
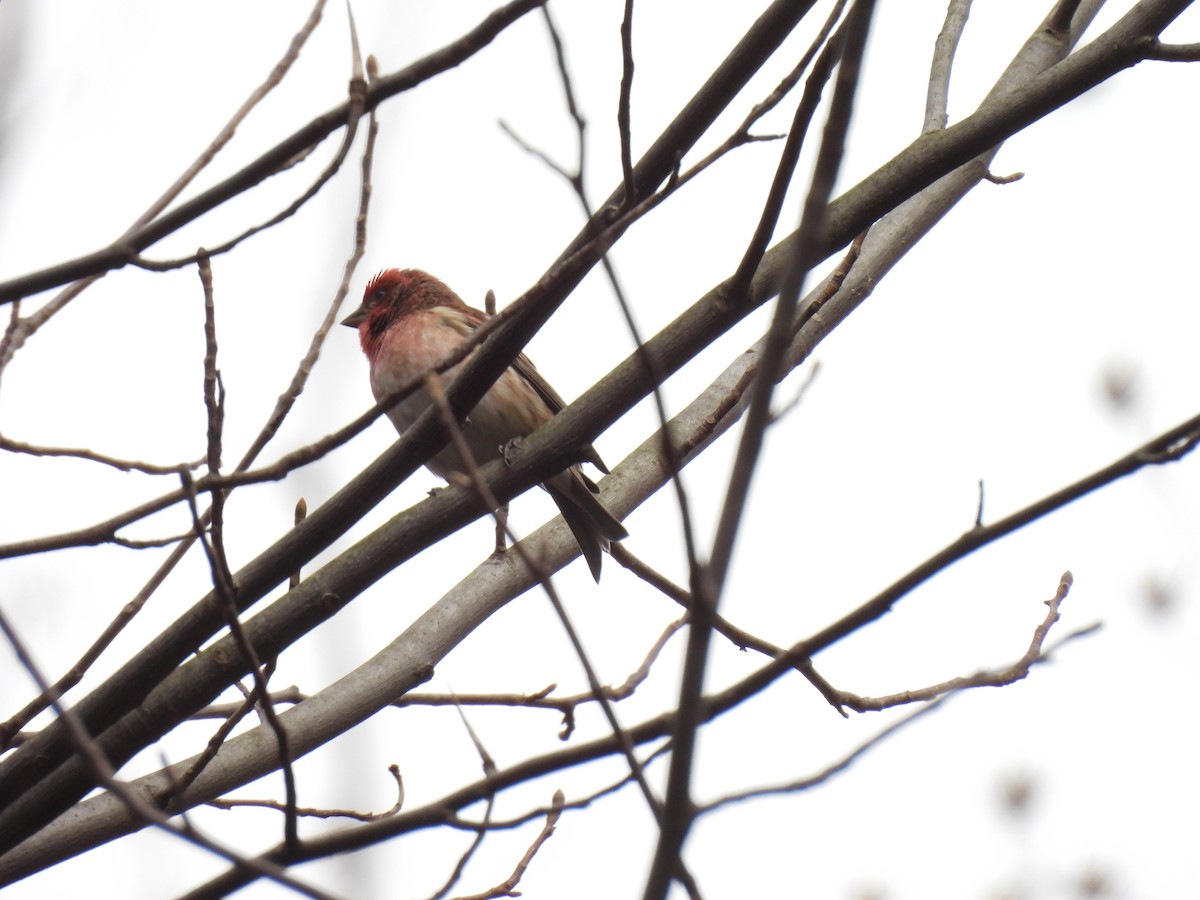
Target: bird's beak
point(356, 318)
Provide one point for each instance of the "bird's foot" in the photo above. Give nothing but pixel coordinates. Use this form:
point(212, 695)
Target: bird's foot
point(514, 444)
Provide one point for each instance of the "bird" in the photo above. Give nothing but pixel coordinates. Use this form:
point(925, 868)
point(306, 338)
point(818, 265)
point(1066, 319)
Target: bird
point(408, 323)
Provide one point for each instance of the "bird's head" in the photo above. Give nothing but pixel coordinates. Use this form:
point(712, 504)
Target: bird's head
point(391, 294)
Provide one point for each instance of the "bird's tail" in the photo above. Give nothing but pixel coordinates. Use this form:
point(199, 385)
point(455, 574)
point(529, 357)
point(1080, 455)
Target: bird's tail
point(594, 526)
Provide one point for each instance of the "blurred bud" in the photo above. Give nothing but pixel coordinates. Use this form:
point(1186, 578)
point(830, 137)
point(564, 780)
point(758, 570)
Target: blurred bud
point(1016, 794)
point(1158, 594)
point(1120, 384)
point(1094, 883)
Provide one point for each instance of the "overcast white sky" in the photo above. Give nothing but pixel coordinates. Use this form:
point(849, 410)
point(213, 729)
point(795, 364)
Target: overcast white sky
point(980, 357)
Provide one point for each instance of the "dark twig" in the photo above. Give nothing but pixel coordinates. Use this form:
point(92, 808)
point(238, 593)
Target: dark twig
point(740, 638)
point(213, 545)
point(785, 170)
point(1170, 446)
point(232, 718)
point(623, 103)
point(789, 81)
point(8, 343)
point(1003, 179)
point(829, 771)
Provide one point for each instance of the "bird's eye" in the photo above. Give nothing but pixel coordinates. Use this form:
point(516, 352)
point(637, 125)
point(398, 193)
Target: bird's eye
point(378, 295)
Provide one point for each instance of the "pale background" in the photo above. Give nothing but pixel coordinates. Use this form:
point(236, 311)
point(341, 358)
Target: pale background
point(982, 356)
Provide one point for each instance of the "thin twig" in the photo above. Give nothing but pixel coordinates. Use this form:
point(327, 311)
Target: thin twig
point(232, 718)
point(998, 678)
point(543, 699)
point(310, 812)
point(121, 465)
point(829, 771)
point(507, 888)
point(623, 103)
point(213, 545)
point(489, 769)
point(358, 101)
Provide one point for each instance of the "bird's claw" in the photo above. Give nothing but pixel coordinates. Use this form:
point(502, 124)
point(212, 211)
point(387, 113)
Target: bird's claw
point(514, 444)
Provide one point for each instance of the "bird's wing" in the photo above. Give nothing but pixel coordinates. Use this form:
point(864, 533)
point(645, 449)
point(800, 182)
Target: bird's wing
point(468, 319)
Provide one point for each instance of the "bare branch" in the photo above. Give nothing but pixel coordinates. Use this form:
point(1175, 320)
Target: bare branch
point(121, 465)
point(998, 678)
point(944, 49)
point(310, 812)
point(543, 699)
point(105, 775)
point(507, 888)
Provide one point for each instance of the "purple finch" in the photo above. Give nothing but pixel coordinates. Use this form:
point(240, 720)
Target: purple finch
point(408, 323)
